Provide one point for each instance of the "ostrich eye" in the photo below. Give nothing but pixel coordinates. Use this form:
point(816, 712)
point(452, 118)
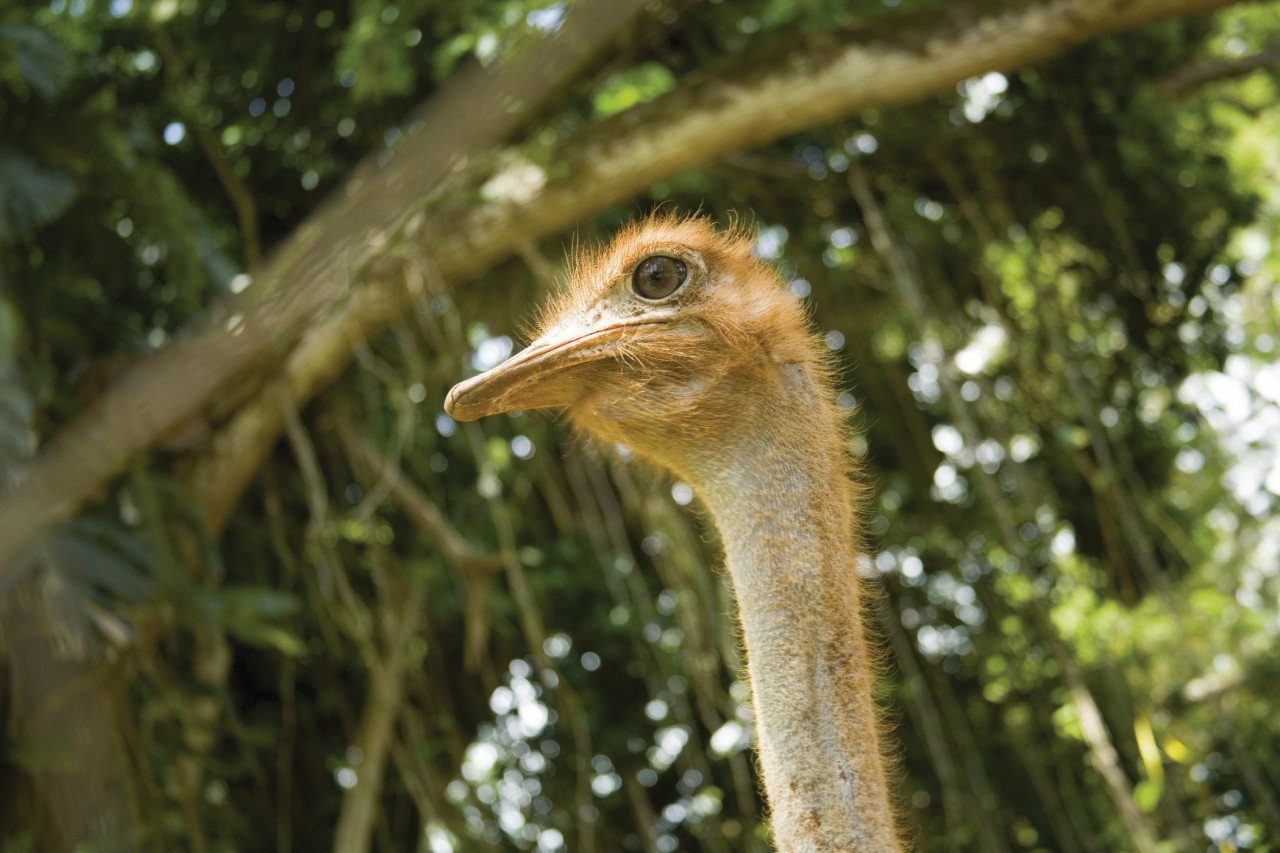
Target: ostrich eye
point(658, 277)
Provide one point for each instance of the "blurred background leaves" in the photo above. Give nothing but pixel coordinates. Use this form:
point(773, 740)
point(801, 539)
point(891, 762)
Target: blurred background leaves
point(1052, 296)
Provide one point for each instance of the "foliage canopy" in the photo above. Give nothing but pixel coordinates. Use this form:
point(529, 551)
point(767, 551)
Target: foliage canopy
point(1053, 294)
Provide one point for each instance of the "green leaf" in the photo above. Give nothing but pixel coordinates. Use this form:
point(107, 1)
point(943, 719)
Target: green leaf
point(251, 614)
point(32, 194)
point(246, 602)
point(23, 842)
point(634, 86)
point(43, 63)
point(100, 568)
point(272, 637)
point(1147, 793)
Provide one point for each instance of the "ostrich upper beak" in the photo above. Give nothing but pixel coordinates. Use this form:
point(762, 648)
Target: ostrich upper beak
point(546, 373)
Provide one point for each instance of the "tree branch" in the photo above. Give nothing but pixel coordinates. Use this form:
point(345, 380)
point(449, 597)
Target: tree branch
point(297, 324)
point(1188, 78)
point(379, 471)
point(307, 279)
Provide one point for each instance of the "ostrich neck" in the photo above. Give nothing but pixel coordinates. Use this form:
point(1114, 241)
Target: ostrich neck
point(784, 505)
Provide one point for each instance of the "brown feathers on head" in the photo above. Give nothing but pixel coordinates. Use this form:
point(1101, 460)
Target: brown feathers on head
point(592, 271)
point(739, 297)
point(696, 357)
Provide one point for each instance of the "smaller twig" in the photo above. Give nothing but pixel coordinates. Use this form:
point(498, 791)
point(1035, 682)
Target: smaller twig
point(1188, 78)
point(399, 615)
point(542, 268)
point(348, 610)
point(382, 472)
point(237, 191)
point(289, 570)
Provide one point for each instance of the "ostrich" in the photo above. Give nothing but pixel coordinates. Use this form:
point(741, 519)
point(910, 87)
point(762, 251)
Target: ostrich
point(676, 342)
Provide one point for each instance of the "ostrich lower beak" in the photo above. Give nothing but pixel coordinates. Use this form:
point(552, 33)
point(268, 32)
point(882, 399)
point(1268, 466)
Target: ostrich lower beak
point(544, 374)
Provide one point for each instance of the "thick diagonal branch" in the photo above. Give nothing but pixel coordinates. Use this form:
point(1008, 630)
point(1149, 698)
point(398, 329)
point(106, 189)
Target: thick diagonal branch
point(322, 291)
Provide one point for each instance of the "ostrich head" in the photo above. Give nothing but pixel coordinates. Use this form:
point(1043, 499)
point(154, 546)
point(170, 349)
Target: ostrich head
point(670, 338)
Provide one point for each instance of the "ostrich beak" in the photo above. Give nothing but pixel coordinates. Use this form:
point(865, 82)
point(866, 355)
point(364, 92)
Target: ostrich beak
point(549, 372)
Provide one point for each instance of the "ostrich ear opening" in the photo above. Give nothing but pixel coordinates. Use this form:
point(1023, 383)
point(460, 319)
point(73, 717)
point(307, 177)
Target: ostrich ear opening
point(553, 371)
